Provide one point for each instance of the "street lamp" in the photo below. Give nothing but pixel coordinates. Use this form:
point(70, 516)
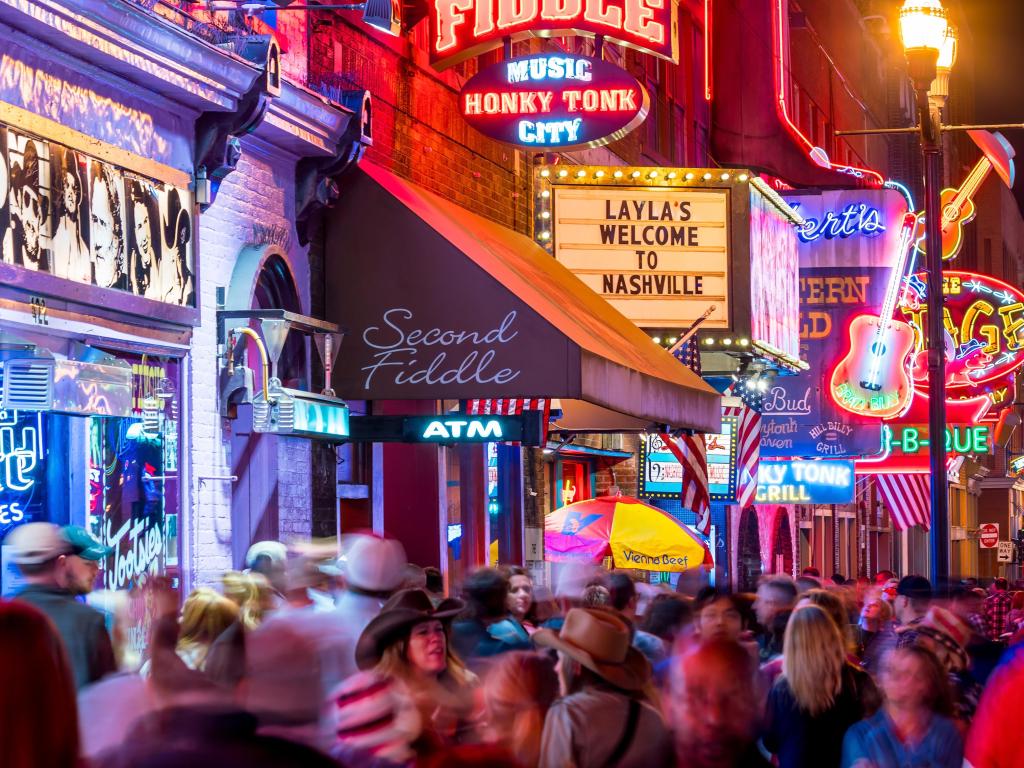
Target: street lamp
point(929, 42)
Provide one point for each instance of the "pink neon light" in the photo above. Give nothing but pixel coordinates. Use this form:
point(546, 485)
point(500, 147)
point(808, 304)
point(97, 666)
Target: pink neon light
point(707, 50)
point(779, 43)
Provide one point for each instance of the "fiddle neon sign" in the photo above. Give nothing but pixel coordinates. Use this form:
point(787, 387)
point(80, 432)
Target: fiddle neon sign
point(855, 219)
point(550, 100)
point(460, 29)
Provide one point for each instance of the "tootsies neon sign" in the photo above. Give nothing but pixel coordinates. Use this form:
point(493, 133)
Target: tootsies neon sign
point(854, 219)
point(553, 101)
point(460, 29)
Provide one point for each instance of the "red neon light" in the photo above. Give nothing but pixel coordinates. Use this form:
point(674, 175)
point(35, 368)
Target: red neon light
point(779, 44)
point(460, 29)
point(707, 50)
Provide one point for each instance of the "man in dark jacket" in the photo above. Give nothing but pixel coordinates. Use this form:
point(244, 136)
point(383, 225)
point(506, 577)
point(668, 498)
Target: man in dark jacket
point(57, 565)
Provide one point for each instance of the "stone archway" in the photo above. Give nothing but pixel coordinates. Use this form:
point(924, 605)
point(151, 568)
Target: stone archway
point(748, 561)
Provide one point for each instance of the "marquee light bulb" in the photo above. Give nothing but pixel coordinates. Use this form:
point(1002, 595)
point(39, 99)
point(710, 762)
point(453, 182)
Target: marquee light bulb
point(727, 342)
point(563, 173)
point(672, 340)
point(725, 177)
point(743, 177)
point(545, 173)
point(617, 174)
point(580, 174)
point(545, 194)
point(635, 174)
point(544, 235)
point(707, 177)
point(671, 174)
point(545, 214)
point(689, 177)
point(653, 175)
point(656, 339)
point(598, 174)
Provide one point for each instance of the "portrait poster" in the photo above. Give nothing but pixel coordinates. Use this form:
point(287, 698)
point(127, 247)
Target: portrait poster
point(94, 223)
point(27, 241)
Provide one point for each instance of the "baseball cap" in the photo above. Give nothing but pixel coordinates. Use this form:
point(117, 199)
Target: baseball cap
point(84, 544)
point(915, 587)
point(36, 543)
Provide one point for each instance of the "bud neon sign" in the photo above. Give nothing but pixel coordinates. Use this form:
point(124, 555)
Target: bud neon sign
point(554, 100)
point(460, 29)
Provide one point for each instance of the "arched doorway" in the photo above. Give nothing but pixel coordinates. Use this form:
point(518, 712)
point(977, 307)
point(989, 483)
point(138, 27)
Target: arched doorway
point(782, 552)
point(262, 280)
point(748, 561)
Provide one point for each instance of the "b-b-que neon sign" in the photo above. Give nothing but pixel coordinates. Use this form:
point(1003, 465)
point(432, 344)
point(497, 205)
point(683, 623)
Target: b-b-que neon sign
point(554, 100)
point(460, 29)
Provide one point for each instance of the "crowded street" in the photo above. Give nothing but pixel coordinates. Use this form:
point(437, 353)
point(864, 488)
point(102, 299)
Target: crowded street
point(511, 384)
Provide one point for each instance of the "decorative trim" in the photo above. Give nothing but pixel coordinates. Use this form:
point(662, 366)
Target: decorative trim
point(45, 128)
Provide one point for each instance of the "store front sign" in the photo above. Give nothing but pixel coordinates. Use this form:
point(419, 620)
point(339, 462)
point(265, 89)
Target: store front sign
point(554, 101)
point(854, 219)
point(447, 430)
point(661, 474)
point(805, 482)
point(1016, 465)
point(22, 468)
point(914, 440)
point(460, 29)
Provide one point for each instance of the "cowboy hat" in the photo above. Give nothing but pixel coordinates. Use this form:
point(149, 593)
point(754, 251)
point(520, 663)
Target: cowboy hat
point(948, 630)
point(400, 614)
point(600, 641)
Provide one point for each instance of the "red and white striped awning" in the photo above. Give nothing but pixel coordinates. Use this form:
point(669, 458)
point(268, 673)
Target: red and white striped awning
point(907, 496)
point(506, 406)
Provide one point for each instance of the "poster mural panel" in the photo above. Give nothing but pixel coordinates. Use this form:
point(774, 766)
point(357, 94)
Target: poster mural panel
point(93, 223)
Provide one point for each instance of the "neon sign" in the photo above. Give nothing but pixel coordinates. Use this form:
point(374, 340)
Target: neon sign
point(854, 219)
point(462, 429)
point(984, 329)
point(460, 29)
point(805, 482)
point(960, 439)
point(22, 452)
point(550, 100)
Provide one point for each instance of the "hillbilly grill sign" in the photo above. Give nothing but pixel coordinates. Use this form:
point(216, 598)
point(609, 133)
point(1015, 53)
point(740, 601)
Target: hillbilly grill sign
point(666, 245)
point(460, 29)
point(554, 101)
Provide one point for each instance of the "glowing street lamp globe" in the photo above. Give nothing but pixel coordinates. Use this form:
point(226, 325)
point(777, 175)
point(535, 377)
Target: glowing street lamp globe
point(924, 27)
point(947, 53)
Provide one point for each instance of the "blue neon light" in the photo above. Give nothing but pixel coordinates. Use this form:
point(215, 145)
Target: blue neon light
point(854, 219)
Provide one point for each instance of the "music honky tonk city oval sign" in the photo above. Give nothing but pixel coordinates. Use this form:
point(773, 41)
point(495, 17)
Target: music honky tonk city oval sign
point(554, 101)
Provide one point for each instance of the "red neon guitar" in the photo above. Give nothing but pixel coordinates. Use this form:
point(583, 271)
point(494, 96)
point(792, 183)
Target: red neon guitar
point(873, 378)
point(957, 205)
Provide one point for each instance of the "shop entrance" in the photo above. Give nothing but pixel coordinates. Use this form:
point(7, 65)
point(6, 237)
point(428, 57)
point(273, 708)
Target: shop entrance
point(748, 564)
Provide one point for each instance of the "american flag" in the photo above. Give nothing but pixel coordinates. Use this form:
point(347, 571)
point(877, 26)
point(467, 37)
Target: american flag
point(511, 406)
point(748, 441)
point(690, 451)
point(907, 495)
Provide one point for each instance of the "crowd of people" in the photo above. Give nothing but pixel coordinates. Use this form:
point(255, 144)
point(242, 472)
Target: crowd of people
point(308, 658)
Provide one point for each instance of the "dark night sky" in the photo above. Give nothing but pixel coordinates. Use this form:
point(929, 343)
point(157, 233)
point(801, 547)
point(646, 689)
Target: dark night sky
point(997, 27)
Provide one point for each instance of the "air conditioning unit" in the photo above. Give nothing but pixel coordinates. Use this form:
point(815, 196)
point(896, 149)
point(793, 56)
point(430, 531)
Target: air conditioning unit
point(26, 383)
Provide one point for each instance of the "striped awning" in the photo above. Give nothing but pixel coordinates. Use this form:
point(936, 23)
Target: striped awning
point(907, 496)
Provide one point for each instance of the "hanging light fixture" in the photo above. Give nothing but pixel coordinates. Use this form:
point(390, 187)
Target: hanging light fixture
point(923, 25)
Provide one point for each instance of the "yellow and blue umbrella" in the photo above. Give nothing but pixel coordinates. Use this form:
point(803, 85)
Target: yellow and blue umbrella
point(635, 534)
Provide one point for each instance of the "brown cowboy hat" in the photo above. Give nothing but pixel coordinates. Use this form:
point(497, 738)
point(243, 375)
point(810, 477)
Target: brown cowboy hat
point(401, 613)
point(600, 641)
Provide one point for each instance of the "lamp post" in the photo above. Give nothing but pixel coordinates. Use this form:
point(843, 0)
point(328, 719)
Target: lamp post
point(929, 42)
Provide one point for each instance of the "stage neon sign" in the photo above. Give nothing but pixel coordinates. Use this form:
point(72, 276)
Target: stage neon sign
point(984, 329)
point(460, 29)
point(854, 219)
point(554, 101)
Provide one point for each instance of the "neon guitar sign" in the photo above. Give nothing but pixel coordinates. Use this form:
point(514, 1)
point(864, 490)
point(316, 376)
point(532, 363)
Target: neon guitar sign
point(957, 205)
point(873, 379)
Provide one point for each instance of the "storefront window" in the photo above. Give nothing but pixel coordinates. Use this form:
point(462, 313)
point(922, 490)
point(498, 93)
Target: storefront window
point(115, 476)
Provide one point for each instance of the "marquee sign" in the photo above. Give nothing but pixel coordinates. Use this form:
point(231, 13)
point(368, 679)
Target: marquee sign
point(461, 29)
point(554, 101)
point(667, 246)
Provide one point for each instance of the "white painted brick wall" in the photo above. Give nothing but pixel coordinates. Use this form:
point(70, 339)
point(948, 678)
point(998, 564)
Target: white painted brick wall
point(260, 190)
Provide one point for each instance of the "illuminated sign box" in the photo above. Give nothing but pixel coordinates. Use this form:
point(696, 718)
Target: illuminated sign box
point(320, 419)
point(805, 482)
point(554, 101)
point(962, 440)
point(460, 29)
point(661, 473)
point(448, 429)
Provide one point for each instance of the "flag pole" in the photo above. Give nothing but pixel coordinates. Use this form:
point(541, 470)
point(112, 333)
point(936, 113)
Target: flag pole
point(691, 330)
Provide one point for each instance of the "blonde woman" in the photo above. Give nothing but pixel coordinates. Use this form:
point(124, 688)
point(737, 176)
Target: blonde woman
point(253, 595)
point(205, 615)
point(819, 696)
point(518, 691)
point(408, 644)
